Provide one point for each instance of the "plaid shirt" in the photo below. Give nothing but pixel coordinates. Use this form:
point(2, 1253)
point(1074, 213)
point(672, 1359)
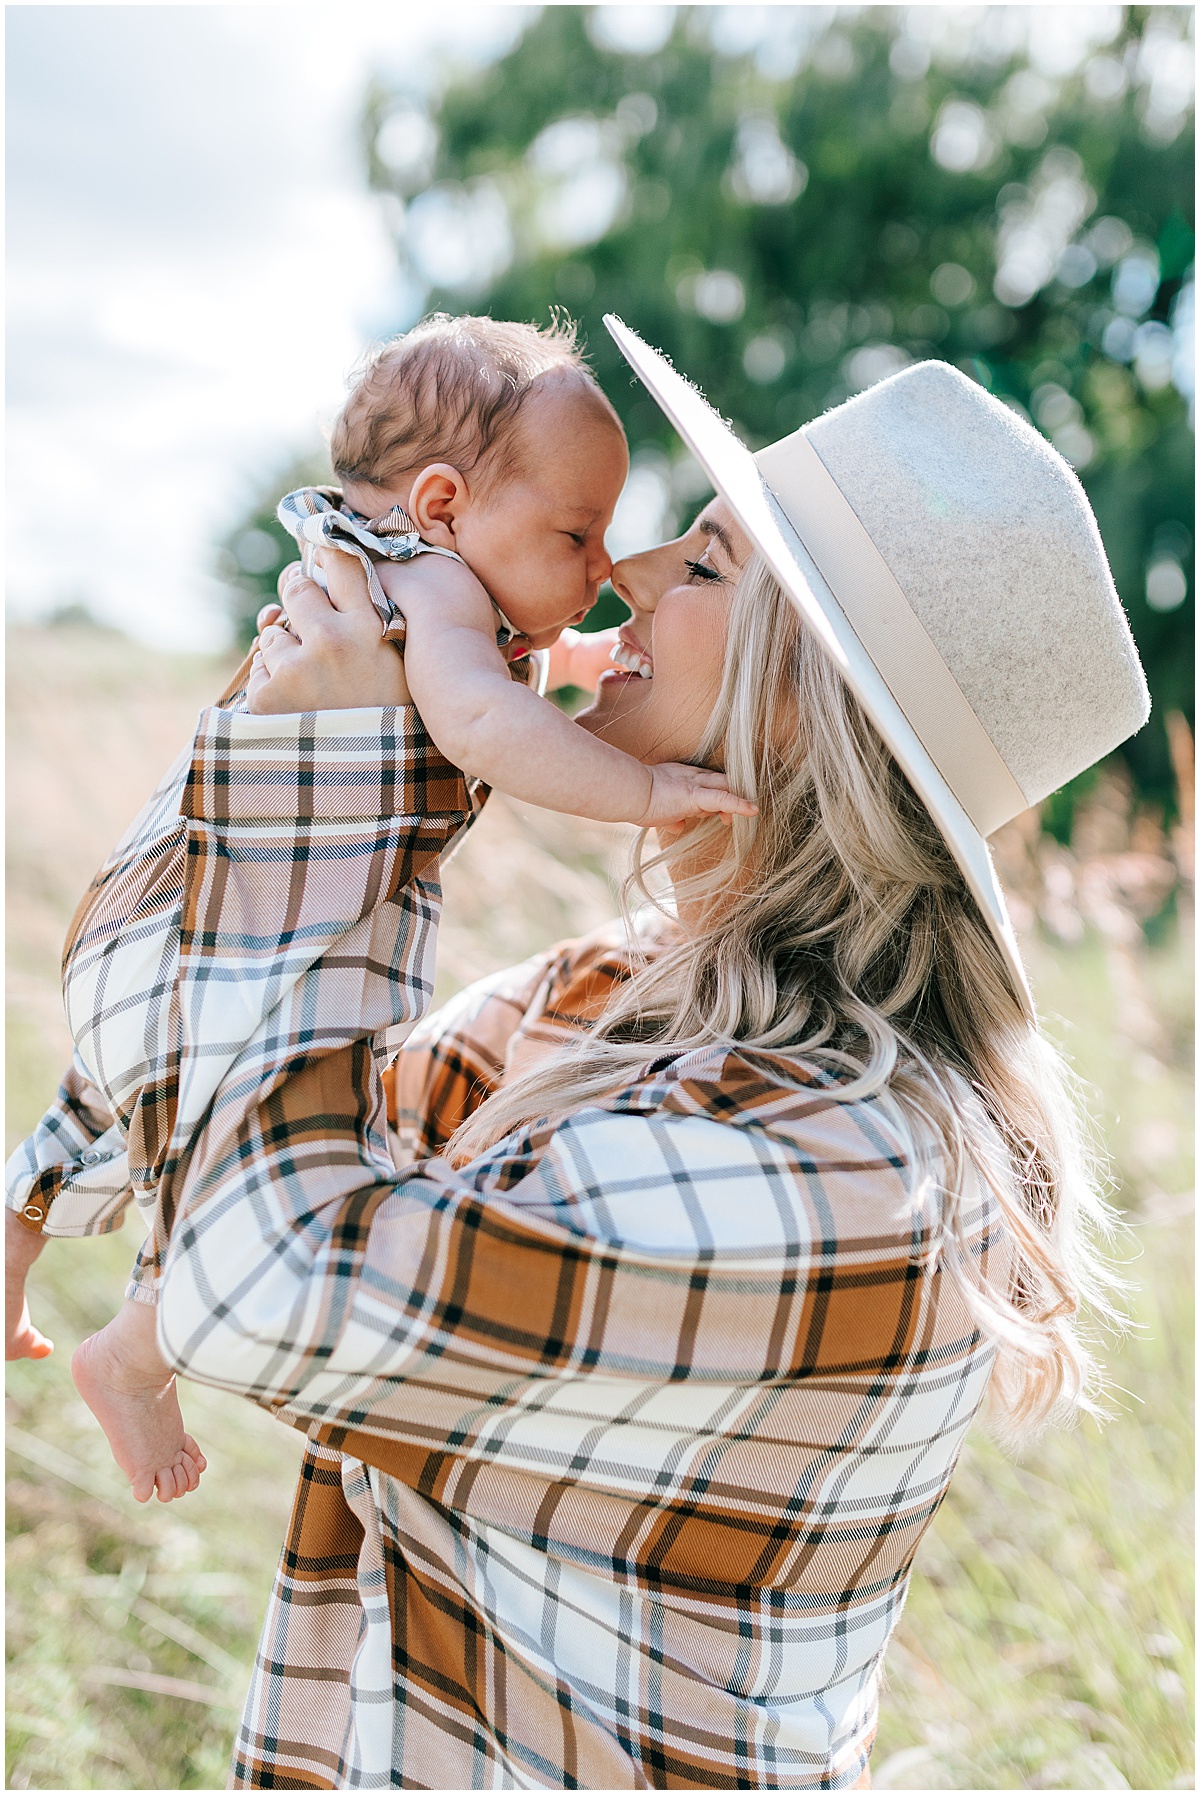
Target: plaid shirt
point(623, 1436)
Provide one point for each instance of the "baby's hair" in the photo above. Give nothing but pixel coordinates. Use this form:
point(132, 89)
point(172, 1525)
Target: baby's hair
point(451, 389)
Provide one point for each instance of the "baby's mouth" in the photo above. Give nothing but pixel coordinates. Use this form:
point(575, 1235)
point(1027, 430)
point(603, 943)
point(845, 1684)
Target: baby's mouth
point(634, 659)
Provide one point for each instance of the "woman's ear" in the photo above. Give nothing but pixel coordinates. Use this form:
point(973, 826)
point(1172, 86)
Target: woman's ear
point(437, 500)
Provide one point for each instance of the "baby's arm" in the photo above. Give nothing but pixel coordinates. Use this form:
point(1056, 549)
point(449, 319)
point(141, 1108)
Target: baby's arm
point(500, 731)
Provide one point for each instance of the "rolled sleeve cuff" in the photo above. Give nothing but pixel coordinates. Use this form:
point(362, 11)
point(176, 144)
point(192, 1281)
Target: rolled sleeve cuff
point(75, 1197)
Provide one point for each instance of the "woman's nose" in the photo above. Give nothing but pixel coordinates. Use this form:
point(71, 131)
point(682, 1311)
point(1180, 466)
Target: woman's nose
point(632, 581)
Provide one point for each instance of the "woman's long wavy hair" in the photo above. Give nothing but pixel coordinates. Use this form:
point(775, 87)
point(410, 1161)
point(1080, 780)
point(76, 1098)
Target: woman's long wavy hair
point(836, 927)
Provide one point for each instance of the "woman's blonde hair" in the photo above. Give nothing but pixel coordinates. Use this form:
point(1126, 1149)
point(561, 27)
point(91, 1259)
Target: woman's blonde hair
point(835, 925)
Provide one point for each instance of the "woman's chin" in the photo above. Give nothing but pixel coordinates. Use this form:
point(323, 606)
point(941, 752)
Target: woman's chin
point(615, 700)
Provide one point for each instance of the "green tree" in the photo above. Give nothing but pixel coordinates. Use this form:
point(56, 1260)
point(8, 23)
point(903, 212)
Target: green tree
point(252, 555)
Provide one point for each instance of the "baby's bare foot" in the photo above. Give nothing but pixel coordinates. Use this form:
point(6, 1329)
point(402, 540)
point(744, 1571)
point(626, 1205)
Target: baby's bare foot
point(125, 1383)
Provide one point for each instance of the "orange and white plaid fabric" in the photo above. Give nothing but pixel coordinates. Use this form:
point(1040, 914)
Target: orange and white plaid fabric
point(622, 1437)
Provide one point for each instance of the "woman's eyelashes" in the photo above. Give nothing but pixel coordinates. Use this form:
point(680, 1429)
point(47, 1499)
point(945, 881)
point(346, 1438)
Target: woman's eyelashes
point(699, 571)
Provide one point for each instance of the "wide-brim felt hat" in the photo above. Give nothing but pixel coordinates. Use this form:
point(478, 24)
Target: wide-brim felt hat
point(947, 558)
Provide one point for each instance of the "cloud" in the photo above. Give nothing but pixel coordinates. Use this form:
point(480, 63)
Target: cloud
point(194, 264)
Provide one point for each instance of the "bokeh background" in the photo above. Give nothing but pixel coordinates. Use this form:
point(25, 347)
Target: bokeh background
point(212, 210)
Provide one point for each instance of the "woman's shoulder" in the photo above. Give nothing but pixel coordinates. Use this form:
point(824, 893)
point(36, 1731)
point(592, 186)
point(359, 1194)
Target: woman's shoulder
point(580, 974)
point(788, 1095)
point(718, 1145)
point(766, 1150)
point(801, 1106)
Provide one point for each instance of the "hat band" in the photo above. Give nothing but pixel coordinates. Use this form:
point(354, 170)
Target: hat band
point(891, 632)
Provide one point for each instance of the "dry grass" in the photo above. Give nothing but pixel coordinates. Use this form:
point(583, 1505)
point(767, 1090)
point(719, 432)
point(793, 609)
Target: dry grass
point(1047, 1638)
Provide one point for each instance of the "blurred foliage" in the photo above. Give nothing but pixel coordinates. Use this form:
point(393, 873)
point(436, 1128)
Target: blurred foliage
point(252, 555)
point(792, 202)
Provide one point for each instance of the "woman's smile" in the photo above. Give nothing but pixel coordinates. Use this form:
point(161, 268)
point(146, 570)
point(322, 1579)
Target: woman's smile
point(629, 657)
point(655, 700)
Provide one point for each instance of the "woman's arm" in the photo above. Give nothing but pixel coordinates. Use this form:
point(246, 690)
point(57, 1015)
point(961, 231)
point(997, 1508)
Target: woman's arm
point(305, 899)
point(638, 1241)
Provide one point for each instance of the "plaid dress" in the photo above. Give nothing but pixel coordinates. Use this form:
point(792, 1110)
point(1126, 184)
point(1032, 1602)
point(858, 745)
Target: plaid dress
point(622, 1437)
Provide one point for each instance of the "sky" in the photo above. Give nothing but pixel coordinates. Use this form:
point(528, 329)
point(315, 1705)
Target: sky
point(195, 264)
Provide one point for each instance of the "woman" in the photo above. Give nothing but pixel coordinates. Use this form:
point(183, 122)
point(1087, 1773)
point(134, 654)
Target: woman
point(627, 1411)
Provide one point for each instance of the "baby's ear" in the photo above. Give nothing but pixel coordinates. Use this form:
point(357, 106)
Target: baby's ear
point(437, 501)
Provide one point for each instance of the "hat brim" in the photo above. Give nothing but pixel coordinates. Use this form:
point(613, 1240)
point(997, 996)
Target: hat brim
point(733, 472)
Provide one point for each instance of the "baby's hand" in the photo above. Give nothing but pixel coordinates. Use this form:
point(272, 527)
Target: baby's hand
point(679, 794)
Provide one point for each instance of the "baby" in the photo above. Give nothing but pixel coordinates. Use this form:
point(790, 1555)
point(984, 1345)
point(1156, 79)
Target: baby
point(489, 442)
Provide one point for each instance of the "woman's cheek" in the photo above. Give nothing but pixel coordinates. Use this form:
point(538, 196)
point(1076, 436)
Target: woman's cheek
point(690, 639)
point(689, 653)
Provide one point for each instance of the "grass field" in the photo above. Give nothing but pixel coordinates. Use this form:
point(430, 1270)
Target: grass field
point(1047, 1640)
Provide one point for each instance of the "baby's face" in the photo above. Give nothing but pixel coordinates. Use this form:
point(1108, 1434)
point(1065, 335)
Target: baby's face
point(536, 539)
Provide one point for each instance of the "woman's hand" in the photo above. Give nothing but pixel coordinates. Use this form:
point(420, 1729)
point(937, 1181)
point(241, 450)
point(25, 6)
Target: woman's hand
point(333, 655)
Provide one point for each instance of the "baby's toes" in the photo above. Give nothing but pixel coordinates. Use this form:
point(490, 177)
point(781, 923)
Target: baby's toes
point(143, 1486)
point(169, 1483)
point(194, 1453)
